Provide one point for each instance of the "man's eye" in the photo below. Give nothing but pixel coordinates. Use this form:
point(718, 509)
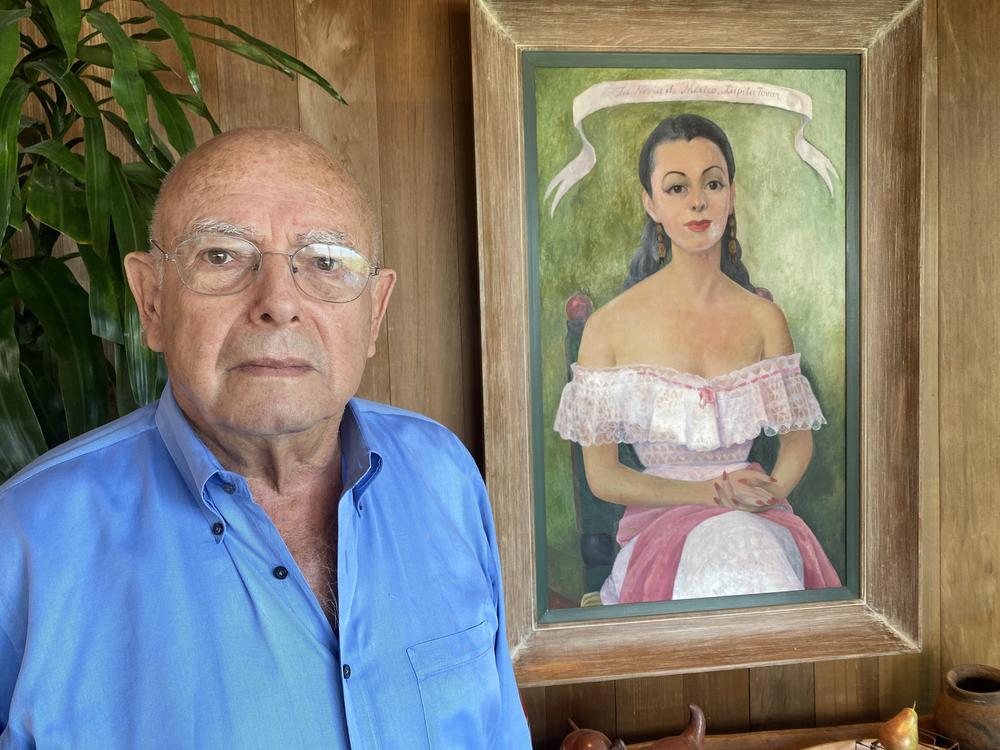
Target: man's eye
point(675, 189)
point(216, 256)
point(714, 185)
point(327, 264)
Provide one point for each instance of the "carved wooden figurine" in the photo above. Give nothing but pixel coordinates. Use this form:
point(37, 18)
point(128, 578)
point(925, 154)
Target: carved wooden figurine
point(691, 738)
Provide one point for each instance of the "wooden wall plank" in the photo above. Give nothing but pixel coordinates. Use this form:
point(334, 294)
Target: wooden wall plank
point(650, 707)
point(846, 691)
point(723, 696)
point(337, 40)
point(969, 170)
point(250, 94)
point(417, 162)
point(782, 697)
point(466, 231)
point(533, 701)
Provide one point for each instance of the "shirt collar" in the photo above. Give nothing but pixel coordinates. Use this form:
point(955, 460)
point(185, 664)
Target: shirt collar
point(193, 459)
point(360, 463)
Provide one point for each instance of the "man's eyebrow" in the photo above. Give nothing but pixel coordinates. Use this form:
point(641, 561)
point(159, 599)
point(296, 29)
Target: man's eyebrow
point(214, 226)
point(325, 236)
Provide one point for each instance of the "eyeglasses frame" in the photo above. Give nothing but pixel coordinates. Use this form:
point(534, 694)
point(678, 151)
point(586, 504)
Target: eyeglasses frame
point(373, 265)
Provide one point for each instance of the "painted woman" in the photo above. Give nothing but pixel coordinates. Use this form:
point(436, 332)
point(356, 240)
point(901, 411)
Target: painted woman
point(689, 364)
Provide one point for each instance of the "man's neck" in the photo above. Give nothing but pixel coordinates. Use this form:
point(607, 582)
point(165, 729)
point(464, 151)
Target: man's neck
point(282, 468)
point(298, 483)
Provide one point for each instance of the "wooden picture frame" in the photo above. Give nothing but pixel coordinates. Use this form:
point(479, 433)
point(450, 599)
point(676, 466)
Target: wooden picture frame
point(884, 618)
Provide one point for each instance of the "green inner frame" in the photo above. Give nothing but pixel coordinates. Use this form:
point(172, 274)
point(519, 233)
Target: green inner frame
point(833, 80)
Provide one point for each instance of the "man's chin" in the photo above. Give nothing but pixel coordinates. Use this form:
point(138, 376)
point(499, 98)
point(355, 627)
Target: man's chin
point(277, 417)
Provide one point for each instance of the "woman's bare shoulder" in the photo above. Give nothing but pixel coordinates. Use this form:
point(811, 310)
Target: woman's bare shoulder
point(607, 325)
point(773, 325)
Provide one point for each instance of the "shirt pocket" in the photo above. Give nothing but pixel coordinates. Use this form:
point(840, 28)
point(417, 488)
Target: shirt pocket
point(459, 687)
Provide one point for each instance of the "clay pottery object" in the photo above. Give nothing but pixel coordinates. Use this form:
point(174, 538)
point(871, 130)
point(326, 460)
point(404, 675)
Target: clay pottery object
point(588, 739)
point(692, 738)
point(968, 709)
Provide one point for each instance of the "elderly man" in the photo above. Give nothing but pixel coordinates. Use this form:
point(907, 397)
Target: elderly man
point(259, 560)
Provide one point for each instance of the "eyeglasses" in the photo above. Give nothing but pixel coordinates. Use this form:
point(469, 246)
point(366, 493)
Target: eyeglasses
point(219, 265)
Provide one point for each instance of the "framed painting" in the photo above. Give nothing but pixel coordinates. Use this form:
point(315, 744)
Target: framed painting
point(700, 236)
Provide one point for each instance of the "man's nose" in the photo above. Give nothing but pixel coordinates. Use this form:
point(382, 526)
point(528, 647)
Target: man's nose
point(276, 298)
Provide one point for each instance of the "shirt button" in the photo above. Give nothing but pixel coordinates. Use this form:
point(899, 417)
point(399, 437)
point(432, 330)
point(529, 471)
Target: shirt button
point(218, 528)
point(361, 505)
point(281, 572)
point(229, 488)
point(347, 671)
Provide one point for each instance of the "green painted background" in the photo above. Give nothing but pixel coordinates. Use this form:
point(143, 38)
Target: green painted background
point(791, 229)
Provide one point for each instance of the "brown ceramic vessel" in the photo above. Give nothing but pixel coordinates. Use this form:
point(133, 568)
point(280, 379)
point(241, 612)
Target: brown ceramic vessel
point(968, 709)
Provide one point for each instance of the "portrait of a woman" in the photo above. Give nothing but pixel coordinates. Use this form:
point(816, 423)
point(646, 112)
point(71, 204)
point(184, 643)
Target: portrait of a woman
point(689, 364)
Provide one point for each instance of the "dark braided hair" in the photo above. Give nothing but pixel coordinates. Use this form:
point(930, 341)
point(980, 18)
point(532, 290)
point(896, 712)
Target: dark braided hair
point(646, 260)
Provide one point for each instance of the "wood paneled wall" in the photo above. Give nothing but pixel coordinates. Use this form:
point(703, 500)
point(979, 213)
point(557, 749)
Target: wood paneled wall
point(404, 66)
point(407, 136)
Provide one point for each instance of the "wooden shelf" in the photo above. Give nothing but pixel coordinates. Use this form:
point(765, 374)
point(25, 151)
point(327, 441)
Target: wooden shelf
point(784, 739)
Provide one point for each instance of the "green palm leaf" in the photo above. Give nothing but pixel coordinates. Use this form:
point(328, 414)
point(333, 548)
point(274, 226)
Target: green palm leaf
point(68, 19)
point(50, 290)
point(59, 155)
point(171, 23)
point(11, 101)
point(277, 55)
point(127, 86)
point(146, 372)
point(171, 115)
point(69, 83)
point(9, 41)
point(101, 56)
point(105, 315)
point(21, 438)
point(55, 199)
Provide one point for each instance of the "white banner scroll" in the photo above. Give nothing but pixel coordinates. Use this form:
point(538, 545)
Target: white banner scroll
point(613, 93)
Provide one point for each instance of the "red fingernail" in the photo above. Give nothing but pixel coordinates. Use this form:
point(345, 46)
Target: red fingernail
point(742, 481)
point(773, 479)
point(716, 485)
point(760, 502)
point(717, 501)
point(723, 475)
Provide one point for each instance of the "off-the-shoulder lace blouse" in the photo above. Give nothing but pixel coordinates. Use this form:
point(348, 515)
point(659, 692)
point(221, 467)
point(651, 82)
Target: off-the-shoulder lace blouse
point(676, 418)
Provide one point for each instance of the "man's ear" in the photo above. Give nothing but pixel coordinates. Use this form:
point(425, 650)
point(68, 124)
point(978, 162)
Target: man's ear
point(143, 280)
point(384, 283)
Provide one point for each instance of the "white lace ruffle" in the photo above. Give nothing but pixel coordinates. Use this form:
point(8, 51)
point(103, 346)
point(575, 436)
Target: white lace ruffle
point(655, 404)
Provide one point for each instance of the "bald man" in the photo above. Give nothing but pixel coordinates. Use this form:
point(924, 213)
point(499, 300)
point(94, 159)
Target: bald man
point(260, 559)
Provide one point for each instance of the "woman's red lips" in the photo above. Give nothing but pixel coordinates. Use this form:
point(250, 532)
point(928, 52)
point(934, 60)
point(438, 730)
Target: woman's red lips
point(698, 226)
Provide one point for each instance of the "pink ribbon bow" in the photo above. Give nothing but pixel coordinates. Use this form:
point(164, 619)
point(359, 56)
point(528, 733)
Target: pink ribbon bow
point(706, 396)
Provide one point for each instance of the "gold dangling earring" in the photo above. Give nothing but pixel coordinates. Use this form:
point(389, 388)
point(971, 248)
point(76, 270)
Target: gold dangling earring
point(661, 243)
point(732, 236)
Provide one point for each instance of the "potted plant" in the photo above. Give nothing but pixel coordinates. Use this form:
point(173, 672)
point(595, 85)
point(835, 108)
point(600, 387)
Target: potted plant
point(71, 351)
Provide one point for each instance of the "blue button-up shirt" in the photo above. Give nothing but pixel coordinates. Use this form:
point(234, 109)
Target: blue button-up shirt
point(146, 600)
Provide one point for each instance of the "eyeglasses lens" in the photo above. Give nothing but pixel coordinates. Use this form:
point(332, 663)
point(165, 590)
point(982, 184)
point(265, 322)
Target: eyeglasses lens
point(331, 272)
point(213, 264)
